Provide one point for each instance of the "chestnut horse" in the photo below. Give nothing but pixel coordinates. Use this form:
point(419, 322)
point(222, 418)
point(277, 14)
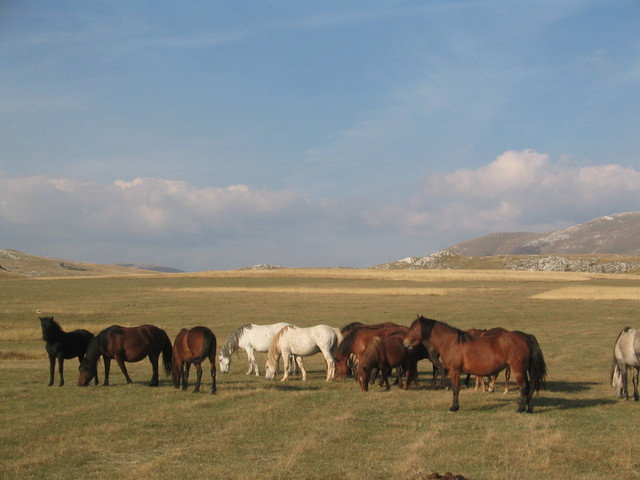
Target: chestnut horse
point(193, 346)
point(460, 352)
point(486, 332)
point(385, 353)
point(126, 344)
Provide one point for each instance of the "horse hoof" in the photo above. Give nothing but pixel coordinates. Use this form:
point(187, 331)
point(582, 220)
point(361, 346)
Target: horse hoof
point(454, 409)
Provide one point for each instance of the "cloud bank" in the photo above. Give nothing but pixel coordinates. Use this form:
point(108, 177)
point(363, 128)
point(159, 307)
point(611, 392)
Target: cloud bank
point(178, 224)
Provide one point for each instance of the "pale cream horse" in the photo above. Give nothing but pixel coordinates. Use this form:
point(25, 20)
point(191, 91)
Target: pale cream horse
point(302, 342)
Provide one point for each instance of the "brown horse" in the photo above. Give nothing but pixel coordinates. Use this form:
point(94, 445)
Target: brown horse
point(356, 337)
point(126, 344)
point(460, 352)
point(359, 335)
point(385, 353)
point(193, 347)
point(487, 332)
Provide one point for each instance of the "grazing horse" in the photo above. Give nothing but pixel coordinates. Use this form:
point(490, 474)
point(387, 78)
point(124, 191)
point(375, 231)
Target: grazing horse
point(302, 342)
point(250, 338)
point(359, 335)
point(63, 345)
point(461, 351)
point(126, 344)
point(193, 347)
point(626, 354)
point(385, 353)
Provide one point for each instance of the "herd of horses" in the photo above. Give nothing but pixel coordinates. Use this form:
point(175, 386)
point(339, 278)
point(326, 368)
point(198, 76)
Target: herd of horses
point(357, 349)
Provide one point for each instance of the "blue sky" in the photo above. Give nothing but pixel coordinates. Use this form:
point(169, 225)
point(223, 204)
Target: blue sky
point(215, 135)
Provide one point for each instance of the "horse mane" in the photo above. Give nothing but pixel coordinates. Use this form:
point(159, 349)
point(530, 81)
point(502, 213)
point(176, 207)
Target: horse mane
point(344, 347)
point(371, 355)
point(427, 324)
point(351, 327)
point(231, 344)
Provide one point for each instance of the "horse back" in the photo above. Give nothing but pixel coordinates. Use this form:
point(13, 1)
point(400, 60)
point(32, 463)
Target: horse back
point(133, 343)
point(627, 348)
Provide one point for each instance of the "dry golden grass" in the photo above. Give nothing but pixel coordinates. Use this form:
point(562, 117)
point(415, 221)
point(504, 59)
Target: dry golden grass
point(591, 293)
point(257, 429)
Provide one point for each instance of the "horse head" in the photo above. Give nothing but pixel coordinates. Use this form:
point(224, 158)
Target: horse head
point(87, 372)
point(225, 363)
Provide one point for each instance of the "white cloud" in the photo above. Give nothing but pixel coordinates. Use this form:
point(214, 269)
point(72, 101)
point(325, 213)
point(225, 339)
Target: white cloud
point(520, 191)
point(178, 224)
point(143, 206)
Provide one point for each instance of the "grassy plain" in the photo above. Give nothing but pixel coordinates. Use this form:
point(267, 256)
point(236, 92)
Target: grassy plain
point(257, 429)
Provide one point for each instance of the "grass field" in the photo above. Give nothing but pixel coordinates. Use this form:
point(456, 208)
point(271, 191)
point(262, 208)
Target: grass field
point(253, 428)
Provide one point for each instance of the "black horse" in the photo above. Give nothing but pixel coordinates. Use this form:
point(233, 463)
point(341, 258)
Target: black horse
point(62, 345)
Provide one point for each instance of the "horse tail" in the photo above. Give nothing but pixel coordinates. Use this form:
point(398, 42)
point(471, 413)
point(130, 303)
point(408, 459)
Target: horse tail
point(209, 344)
point(274, 347)
point(167, 353)
point(372, 353)
point(614, 360)
point(537, 366)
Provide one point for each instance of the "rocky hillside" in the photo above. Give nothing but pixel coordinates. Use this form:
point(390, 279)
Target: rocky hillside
point(614, 234)
point(608, 244)
point(447, 260)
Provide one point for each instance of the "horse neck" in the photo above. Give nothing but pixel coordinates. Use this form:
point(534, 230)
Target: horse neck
point(442, 335)
point(93, 351)
point(53, 332)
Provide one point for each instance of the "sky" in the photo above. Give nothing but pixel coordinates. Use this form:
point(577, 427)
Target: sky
point(211, 134)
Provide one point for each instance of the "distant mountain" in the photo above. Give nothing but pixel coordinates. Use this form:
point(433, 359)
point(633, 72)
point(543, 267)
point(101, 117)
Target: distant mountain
point(15, 263)
point(147, 266)
point(613, 234)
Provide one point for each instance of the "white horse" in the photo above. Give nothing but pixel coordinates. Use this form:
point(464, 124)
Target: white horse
point(250, 338)
point(626, 353)
point(302, 342)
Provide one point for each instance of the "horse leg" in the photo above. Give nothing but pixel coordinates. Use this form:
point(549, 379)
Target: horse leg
point(301, 365)
point(623, 378)
point(213, 375)
point(385, 377)
point(331, 367)
point(61, 370)
point(634, 379)
point(454, 376)
point(123, 368)
point(107, 367)
point(525, 392)
point(492, 383)
point(52, 368)
point(154, 365)
point(253, 364)
point(507, 375)
point(198, 377)
point(186, 369)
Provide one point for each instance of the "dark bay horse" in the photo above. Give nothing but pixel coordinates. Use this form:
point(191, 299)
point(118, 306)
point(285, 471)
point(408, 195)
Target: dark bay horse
point(486, 356)
point(385, 353)
point(193, 346)
point(126, 344)
point(63, 345)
